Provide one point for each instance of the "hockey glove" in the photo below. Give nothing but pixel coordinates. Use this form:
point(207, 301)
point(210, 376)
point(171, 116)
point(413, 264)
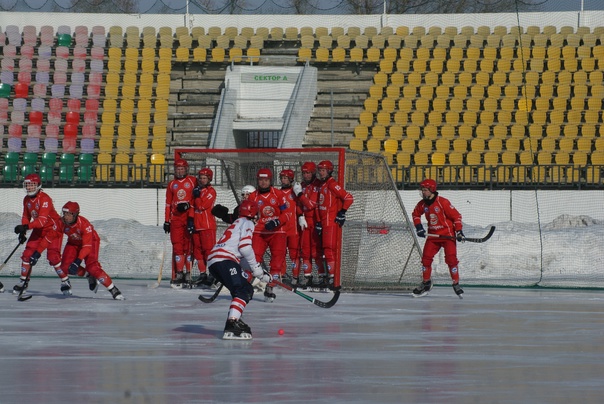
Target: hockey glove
point(190, 225)
point(22, 238)
point(196, 192)
point(22, 228)
point(272, 224)
point(340, 217)
point(318, 228)
point(167, 227)
point(183, 206)
point(33, 260)
point(460, 236)
point(419, 230)
point(220, 211)
point(75, 265)
point(297, 189)
point(302, 223)
point(261, 274)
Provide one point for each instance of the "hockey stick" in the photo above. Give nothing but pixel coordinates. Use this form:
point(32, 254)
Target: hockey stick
point(323, 305)
point(161, 267)
point(211, 298)
point(470, 239)
point(22, 298)
point(10, 255)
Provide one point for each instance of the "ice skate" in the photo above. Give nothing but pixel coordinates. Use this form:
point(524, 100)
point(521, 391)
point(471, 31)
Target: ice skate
point(322, 285)
point(116, 294)
point(19, 287)
point(93, 284)
point(305, 282)
point(269, 295)
point(423, 289)
point(236, 330)
point(66, 287)
point(458, 290)
point(1, 287)
point(176, 283)
point(204, 281)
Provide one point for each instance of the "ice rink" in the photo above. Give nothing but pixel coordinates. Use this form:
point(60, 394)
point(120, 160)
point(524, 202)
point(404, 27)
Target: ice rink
point(164, 346)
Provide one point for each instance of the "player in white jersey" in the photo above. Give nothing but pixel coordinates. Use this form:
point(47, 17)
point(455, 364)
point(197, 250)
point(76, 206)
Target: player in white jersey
point(224, 263)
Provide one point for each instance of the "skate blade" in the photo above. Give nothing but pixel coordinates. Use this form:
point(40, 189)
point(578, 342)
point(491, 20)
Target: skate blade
point(120, 297)
point(420, 295)
point(269, 299)
point(232, 337)
point(67, 293)
point(173, 286)
point(94, 288)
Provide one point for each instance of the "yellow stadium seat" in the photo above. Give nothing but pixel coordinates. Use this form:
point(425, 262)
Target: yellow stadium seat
point(356, 144)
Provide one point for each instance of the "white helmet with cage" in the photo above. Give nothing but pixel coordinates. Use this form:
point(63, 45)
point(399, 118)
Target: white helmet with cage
point(247, 190)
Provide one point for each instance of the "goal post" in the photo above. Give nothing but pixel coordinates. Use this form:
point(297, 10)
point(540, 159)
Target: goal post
point(377, 249)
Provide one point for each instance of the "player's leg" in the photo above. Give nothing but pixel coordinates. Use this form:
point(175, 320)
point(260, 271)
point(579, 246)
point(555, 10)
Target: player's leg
point(453, 263)
point(430, 249)
point(30, 248)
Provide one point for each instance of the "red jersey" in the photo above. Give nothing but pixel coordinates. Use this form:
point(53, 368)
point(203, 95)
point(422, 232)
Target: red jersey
point(271, 205)
point(332, 198)
point(443, 218)
point(179, 191)
point(81, 234)
point(309, 200)
point(291, 227)
point(39, 212)
point(202, 209)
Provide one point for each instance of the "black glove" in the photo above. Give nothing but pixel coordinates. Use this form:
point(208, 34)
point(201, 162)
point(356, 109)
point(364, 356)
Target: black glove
point(183, 206)
point(33, 260)
point(196, 192)
point(167, 227)
point(22, 238)
point(341, 217)
point(22, 228)
point(318, 228)
point(75, 265)
point(220, 211)
point(419, 230)
point(460, 236)
point(272, 224)
point(190, 225)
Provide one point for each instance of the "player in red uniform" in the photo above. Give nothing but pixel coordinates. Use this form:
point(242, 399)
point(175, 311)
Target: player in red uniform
point(443, 220)
point(310, 240)
point(179, 200)
point(202, 224)
point(224, 262)
point(291, 227)
point(269, 231)
point(83, 244)
point(333, 203)
point(40, 216)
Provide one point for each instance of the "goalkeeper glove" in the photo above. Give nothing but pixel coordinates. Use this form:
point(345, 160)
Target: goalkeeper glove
point(419, 230)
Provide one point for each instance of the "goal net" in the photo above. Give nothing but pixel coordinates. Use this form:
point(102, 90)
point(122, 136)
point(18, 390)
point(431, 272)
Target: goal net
point(378, 248)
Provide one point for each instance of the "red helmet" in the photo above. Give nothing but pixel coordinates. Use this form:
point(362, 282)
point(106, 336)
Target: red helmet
point(207, 172)
point(309, 167)
point(264, 173)
point(326, 164)
point(72, 207)
point(248, 209)
point(181, 163)
point(429, 184)
point(287, 173)
point(32, 179)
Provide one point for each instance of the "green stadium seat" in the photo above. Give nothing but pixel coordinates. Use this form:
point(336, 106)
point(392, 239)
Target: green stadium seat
point(5, 90)
point(64, 40)
point(11, 166)
point(85, 168)
point(66, 167)
point(29, 164)
point(47, 168)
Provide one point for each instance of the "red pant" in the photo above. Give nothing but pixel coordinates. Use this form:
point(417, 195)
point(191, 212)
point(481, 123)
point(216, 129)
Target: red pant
point(70, 253)
point(310, 248)
point(275, 242)
point(330, 244)
point(40, 240)
point(203, 242)
point(432, 246)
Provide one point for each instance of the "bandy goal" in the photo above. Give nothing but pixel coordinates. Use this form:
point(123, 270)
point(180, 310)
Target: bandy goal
point(378, 249)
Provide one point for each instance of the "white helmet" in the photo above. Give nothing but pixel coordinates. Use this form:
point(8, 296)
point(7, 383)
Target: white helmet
point(246, 190)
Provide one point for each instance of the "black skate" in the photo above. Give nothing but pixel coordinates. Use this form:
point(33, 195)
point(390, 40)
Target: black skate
point(93, 284)
point(21, 286)
point(116, 294)
point(269, 295)
point(204, 281)
point(236, 330)
point(306, 282)
point(458, 290)
point(66, 287)
point(322, 285)
point(422, 289)
point(1, 287)
point(177, 282)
